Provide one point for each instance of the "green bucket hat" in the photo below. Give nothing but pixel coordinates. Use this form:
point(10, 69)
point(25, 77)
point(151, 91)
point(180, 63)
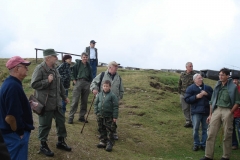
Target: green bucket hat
point(49, 52)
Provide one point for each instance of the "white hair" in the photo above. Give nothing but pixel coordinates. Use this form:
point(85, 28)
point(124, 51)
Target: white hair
point(113, 63)
point(188, 63)
point(195, 76)
point(45, 57)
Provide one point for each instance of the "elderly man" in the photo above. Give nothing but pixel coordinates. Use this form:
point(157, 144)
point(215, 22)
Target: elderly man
point(236, 120)
point(116, 81)
point(92, 57)
point(185, 81)
point(16, 121)
point(198, 96)
point(49, 90)
point(82, 77)
point(225, 100)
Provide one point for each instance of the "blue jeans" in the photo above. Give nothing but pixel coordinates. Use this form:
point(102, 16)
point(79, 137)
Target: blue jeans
point(64, 103)
point(93, 64)
point(17, 147)
point(196, 120)
point(236, 129)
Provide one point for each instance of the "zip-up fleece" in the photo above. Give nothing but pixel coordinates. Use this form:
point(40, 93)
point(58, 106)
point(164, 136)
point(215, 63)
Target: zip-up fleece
point(106, 105)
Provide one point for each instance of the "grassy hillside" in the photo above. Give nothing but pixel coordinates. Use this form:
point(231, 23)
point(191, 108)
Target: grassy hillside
point(150, 126)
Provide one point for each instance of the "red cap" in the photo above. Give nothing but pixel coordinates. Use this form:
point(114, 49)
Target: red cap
point(14, 61)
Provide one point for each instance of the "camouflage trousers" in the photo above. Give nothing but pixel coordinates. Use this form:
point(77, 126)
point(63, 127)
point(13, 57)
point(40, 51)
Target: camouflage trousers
point(106, 128)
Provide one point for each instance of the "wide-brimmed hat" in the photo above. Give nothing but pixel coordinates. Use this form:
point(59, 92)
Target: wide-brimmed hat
point(14, 61)
point(49, 52)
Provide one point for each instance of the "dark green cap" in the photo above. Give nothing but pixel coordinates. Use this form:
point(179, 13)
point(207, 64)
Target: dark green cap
point(49, 52)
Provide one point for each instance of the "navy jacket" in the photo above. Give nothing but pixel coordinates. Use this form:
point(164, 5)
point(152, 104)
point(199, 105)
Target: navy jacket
point(201, 105)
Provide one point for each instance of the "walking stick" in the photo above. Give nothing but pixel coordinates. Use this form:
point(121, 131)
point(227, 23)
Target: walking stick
point(88, 113)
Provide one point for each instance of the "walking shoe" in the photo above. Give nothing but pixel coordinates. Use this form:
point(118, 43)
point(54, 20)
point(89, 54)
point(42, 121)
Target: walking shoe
point(45, 150)
point(115, 136)
point(206, 158)
point(101, 144)
point(82, 120)
point(195, 148)
point(188, 125)
point(224, 158)
point(70, 121)
point(62, 145)
point(234, 147)
point(203, 148)
point(109, 146)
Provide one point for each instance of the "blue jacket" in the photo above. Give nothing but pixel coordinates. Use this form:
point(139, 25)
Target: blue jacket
point(200, 105)
point(13, 101)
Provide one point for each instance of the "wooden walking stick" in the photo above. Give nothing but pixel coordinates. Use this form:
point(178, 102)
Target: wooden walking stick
point(88, 113)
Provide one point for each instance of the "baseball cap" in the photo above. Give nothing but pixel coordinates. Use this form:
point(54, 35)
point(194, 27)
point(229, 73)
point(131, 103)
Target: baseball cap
point(14, 61)
point(92, 41)
point(113, 63)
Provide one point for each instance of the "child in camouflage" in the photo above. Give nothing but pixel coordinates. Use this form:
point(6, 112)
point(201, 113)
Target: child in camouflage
point(106, 109)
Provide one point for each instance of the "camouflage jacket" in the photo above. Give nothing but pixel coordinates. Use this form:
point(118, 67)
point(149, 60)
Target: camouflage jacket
point(185, 80)
point(65, 72)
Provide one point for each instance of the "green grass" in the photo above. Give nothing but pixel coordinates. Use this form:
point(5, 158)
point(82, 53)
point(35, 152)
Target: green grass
point(150, 124)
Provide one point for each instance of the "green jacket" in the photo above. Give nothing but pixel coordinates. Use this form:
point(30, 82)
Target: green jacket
point(116, 87)
point(75, 70)
point(185, 80)
point(106, 105)
point(232, 91)
point(55, 89)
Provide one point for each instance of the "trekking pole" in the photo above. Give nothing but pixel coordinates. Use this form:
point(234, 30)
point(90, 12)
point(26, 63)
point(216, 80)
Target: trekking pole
point(88, 113)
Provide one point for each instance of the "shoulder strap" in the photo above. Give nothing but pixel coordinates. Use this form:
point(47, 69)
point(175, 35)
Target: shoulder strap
point(101, 78)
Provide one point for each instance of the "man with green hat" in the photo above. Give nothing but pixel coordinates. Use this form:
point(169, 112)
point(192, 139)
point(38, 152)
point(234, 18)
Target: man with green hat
point(49, 90)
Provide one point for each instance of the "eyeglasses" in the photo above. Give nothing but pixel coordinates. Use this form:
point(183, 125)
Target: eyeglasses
point(23, 66)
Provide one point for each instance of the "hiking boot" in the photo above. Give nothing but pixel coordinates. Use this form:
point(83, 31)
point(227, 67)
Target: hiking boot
point(234, 147)
point(195, 148)
point(62, 145)
point(188, 125)
point(109, 146)
point(101, 144)
point(82, 120)
point(115, 136)
point(203, 148)
point(206, 158)
point(224, 158)
point(45, 150)
point(70, 121)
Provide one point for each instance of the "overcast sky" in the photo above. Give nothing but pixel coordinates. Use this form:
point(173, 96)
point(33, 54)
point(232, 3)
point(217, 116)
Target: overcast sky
point(149, 34)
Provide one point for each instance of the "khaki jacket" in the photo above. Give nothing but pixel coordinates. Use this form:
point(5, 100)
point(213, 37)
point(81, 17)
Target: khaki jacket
point(117, 84)
point(55, 89)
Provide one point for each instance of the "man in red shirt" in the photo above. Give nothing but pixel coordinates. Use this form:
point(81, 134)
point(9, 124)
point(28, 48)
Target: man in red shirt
point(236, 121)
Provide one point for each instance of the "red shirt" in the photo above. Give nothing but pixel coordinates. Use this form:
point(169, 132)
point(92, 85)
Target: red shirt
point(237, 111)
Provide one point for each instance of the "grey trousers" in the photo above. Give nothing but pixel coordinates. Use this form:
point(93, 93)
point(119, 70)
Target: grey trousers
point(45, 124)
point(186, 109)
point(80, 90)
